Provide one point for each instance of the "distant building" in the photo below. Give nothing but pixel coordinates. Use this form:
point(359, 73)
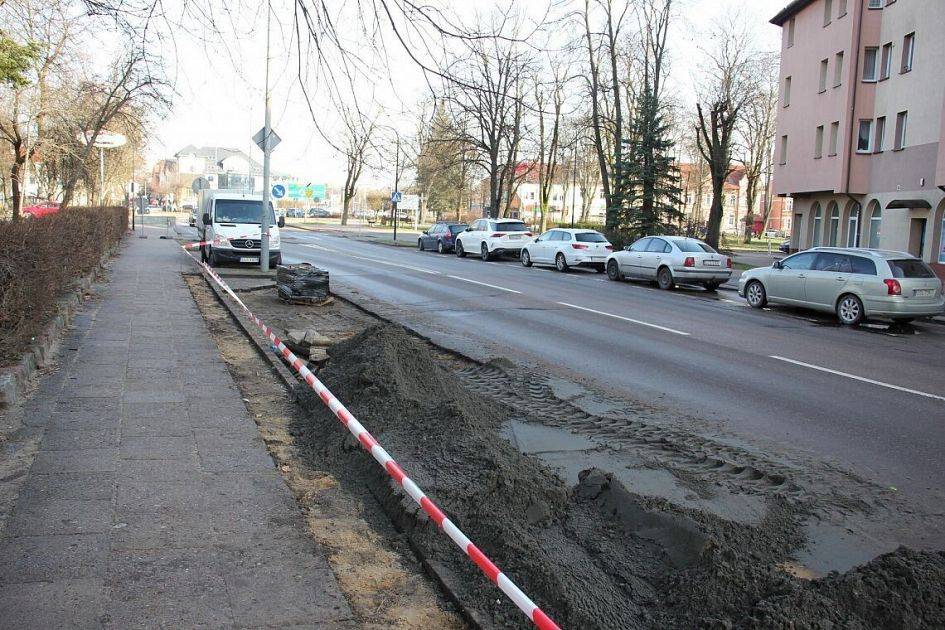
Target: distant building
point(860, 142)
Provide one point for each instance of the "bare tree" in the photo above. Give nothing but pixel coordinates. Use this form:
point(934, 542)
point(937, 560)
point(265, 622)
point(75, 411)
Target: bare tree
point(358, 132)
point(728, 88)
point(550, 88)
point(757, 137)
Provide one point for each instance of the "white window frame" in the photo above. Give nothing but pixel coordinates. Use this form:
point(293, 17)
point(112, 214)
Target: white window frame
point(824, 72)
point(838, 69)
point(787, 91)
point(902, 124)
point(819, 142)
point(879, 135)
point(885, 61)
point(869, 135)
point(871, 78)
point(875, 4)
point(790, 33)
point(834, 138)
point(782, 157)
point(828, 11)
point(908, 53)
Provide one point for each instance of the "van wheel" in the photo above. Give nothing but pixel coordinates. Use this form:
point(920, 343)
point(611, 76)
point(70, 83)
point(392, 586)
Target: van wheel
point(849, 310)
point(664, 278)
point(755, 294)
point(460, 252)
point(613, 270)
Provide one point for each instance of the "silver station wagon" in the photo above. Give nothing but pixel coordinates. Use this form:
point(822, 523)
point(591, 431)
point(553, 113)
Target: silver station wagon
point(854, 283)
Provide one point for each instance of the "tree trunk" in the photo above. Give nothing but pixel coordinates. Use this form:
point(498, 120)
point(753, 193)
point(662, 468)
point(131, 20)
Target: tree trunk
point(15, 170)
point(345, 207)
point(715, 213)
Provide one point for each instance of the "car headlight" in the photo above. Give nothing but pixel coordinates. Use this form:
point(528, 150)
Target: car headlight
point(274, 241)
point(219, 241)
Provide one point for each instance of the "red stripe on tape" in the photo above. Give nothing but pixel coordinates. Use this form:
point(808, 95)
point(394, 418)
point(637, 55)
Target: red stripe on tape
point(367, 440)
point(542, 621)
point(491, 571)
point(430, 508)
point(310, 379)
point(395, 471)
point(326, 396)
point(297, 364)
point(345, 416)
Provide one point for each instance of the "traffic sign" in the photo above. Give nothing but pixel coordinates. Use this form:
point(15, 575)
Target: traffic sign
point(260, 139)
point(396, 196)
point(278, 191)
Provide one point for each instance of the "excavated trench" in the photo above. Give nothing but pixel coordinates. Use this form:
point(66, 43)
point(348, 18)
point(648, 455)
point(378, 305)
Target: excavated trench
point(590, 551)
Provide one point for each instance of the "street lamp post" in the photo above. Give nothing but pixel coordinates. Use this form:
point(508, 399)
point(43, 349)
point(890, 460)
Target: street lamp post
point(396, 185)
point(264, 220)
point(573, 184)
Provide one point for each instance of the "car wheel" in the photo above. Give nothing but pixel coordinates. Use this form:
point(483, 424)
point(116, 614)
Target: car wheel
point(560, 263)
point(484, 252)
point(755, 294)
point(460, 252)
point(613, 270)
point(439, 248)
point(849, 310)
point(526, 258)
point(420, 244)
point(664, 278)
point(710, 286)
point(599, 268)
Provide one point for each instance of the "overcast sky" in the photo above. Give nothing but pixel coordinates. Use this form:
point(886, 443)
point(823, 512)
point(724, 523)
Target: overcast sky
point(219, 82)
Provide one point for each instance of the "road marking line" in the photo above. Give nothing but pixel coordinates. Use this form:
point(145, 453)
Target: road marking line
point(385, 262)
point(313, 246)
point(491, 286)
point(858, 378)
point(626, 319)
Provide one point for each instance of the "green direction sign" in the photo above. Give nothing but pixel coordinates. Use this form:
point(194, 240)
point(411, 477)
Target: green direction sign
point(314, 192)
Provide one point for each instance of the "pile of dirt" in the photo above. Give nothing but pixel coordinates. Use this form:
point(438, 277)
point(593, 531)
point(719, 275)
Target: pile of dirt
point(596, 555)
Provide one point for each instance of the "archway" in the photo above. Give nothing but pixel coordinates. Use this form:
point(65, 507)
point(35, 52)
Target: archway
point(938, 234)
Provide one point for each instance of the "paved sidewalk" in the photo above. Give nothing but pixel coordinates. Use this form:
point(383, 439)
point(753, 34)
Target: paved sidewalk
point(153, 501)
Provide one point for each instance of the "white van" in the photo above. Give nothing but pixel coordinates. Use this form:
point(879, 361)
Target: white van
point(229, 227)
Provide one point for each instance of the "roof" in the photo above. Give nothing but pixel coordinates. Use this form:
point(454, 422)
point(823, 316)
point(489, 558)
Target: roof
point(787, 12)
point(865, 251)
point(216, 154)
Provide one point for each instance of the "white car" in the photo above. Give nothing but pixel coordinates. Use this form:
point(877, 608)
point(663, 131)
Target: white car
point(670, 259)
point(493, 237)
point(565, 248)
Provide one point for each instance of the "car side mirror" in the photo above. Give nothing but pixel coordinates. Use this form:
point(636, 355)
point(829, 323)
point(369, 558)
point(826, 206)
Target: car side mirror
point(425, 233)
point(469, 229)
point(626, 248)
point(280, 221)
point(777, 264)
point(206, 218)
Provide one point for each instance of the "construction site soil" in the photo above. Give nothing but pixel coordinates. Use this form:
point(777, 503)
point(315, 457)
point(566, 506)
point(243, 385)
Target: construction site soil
point(594, 553)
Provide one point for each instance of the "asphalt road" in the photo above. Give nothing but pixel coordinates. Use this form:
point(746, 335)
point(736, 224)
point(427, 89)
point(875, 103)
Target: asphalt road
point(865, 399)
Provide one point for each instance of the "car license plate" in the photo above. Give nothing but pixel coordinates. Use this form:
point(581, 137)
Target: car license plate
point(249, 259)
point(924, 292)
point(710, 263)
point(514, 237)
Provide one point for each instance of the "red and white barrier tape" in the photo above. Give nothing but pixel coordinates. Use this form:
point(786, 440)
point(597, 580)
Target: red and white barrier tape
point(370, 444)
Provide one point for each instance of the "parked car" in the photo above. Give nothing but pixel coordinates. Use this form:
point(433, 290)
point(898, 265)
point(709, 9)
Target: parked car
point(566, 248)
point(295, 213)
point(785, 247)
point(440, 237)
point(855, 283)
point(41, 209)
point(670, 259)
point(493, 237)
point(319, 213)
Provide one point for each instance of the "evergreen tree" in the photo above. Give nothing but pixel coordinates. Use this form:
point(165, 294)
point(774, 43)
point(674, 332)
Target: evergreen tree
point(651, 178)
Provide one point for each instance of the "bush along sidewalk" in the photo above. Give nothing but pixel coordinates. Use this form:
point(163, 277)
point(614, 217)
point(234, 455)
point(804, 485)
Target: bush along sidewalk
point(41, 260)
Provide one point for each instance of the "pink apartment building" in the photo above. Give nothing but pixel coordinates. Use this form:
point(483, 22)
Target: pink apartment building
point(860, 145)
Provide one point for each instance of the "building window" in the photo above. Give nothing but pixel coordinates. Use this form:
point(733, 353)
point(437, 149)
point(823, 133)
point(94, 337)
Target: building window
point(902, 118)
point(885, 63)
point(841, 8)
point(790, 33)
point(875, 4)
point(838, 69)
point(853, 227)
point(787, 91)
point(818, 220)
point(863, 137)
point(869, 63)
point(876, 222)
point(828, 9)
point(823, 75)
point(819, 142)
point(783, 155)
point(880, 135)
point(834, 137)
point(908, 50)
point(833, 227)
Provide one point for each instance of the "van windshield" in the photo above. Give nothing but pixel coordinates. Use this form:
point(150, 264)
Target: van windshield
point(241, 211)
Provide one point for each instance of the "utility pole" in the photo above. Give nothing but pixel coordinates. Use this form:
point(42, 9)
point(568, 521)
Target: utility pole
point(396, 185)
point(101, 177)
point(264, 222)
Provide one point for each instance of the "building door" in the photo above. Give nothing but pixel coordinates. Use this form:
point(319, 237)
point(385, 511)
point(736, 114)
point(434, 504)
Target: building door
point(917, 236)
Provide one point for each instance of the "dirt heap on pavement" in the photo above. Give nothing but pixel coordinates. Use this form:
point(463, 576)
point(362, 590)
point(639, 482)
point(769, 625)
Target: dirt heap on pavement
point(595, 555)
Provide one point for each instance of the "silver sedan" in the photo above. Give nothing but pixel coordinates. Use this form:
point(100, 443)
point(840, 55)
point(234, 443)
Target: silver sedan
point(670, 259)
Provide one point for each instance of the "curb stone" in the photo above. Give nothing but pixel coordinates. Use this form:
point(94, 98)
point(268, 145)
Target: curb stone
point(14, 380)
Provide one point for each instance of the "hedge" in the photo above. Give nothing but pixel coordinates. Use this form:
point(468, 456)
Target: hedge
point(40, 260)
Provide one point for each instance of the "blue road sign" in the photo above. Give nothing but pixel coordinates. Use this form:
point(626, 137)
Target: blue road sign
point(396, 196)
point(278, 191)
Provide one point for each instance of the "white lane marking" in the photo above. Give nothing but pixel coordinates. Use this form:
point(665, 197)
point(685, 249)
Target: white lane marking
point(491, 286)
point(313, 246)
point(858, 378)
point(626, 319)
point(375, 260)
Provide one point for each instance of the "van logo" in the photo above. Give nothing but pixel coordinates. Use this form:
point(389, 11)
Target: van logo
point(249, 243)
